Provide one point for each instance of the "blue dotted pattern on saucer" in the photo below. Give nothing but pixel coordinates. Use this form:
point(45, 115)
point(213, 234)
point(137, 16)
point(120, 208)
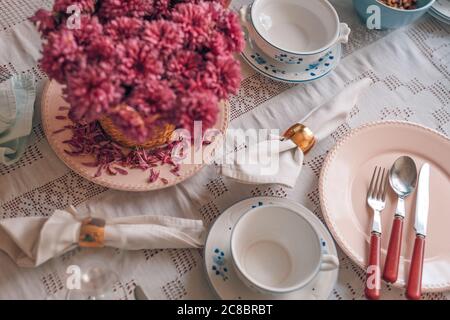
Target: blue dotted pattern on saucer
point(219, 266)
point(324, 246)
point(314, 69)
point(288, 59)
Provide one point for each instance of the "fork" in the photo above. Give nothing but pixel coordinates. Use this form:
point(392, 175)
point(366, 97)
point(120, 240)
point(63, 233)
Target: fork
point(376, 199)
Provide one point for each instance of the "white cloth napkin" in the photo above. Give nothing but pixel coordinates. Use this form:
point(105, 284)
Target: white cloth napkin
point(17, 96)
point(280, 162)
point(31, 241)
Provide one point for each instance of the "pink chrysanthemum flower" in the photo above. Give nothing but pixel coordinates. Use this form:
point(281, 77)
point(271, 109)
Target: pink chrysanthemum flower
point(218, 44)
point(44, 20)
point(228, 24)
point(152, 98)
point(85, 6)
point(61, 55)
point(161, 8)
point(164, 35)
point(124, 28)
point(222, 75)
point(195, 21)
point(90, 27)
point(223, 3)
point(137, 62)
point(184, 64)
point(168, 61)
point(198, 106)
point(93, 92)
point(110, 9)
point(102, 48)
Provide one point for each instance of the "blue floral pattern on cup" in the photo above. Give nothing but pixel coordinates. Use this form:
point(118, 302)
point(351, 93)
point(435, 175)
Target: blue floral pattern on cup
point(219, 266)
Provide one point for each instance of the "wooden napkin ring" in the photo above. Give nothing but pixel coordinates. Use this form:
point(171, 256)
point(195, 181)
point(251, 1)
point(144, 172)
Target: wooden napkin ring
point(92, 233)
point(302, 136)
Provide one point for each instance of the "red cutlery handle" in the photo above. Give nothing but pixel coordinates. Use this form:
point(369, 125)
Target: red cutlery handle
point(414, 288)
point(373, 273)
point(393, 254)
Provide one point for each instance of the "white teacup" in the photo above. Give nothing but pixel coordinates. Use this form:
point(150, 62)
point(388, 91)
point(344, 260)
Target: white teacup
point(293, 32)
point(275, 250)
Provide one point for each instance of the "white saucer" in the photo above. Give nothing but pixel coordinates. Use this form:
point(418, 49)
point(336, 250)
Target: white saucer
point(221, 274)
point(442, 9)
point(435, 14)
point(296, 73)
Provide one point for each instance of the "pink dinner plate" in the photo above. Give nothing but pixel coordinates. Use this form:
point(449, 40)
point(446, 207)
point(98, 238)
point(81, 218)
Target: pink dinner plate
point(343, 186)
point(136, 179)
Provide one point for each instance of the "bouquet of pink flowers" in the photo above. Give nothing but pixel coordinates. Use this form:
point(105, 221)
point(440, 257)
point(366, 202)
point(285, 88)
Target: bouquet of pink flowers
point(167, 61)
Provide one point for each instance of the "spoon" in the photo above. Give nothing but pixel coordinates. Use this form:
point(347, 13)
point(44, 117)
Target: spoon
point(403, 180)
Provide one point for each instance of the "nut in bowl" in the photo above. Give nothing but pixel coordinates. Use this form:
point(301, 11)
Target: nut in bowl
point(295, 33)
point(393, 13)
point(401, 4)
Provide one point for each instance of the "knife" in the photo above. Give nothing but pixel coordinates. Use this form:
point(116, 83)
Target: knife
point(139, 294)
point(414, 287)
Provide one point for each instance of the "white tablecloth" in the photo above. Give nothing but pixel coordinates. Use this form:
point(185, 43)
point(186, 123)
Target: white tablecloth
point(411, 71)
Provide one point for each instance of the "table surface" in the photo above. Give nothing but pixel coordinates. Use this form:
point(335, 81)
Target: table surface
point(410, 68)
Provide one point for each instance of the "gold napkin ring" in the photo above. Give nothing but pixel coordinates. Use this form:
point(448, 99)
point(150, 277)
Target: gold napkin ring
point(92, 233)
point(302, 136)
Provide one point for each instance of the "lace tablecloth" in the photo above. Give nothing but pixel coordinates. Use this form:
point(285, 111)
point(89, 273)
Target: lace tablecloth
point(410, 68)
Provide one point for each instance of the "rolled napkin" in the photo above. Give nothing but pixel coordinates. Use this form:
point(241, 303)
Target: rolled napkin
point(31, 241)
point(17, 96)
point(279, 160)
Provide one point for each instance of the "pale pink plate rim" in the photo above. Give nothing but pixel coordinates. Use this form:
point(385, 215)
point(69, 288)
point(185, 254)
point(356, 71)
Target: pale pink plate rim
point(326, 211)
point(113, 182)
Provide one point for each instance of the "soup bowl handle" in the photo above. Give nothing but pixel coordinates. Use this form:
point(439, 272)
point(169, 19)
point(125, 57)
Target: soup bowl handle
point(246, 24)
point(344, 33)
point(243, 14)
point(329, 262)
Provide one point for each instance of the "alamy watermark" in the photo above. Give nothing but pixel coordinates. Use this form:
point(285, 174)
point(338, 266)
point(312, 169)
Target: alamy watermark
point(251, 147)
point(374, 20)
point(374, 275)
point(74, 20)
point(73, 281)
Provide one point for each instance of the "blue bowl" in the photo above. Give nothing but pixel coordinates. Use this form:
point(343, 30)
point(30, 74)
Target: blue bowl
point(391, 17)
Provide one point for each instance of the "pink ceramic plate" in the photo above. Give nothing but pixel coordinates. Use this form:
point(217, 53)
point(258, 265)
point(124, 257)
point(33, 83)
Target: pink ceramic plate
point(136, 180)
point(343, 185)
